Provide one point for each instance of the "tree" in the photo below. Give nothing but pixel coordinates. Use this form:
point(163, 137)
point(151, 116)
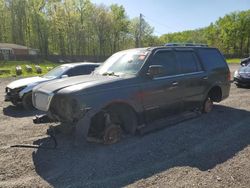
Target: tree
point(146, 31)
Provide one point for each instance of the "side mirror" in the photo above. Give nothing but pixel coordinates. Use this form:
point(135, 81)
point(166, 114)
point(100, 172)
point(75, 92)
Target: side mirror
point(64, 76)
point(155, 70)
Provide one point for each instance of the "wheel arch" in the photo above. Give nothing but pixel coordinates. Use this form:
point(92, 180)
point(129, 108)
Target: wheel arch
point(214, 93)
point(126, 112)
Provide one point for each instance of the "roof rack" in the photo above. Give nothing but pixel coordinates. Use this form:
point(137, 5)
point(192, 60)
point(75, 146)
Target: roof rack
point(186, 44)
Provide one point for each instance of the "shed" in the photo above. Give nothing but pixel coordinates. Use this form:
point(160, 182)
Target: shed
point(8, 50)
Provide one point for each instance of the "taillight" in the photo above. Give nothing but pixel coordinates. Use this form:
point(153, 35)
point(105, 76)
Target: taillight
point(229, 76)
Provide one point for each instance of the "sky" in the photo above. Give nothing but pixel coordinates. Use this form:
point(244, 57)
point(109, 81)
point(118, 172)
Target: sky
point(168, 16)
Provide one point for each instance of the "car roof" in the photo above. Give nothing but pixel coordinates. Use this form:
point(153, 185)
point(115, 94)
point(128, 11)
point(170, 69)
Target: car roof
point(171, 47)
point(179, 47)
point(79, 64)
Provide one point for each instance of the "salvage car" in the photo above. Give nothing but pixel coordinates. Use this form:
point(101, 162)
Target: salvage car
point(242, 76)
point(19, 92)
point(245, 61)
point(136, 89)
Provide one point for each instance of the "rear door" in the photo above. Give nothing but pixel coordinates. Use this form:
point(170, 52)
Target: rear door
point(162, 94)
point(193, 78)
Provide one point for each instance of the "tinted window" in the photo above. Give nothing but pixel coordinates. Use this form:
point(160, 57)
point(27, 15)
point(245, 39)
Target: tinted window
point(188, 61)
point(81, 70)
point(211, 58)
point(167, 60)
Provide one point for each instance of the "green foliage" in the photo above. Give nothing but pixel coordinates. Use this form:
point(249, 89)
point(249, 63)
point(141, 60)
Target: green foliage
point(234, 60)
point(80, 27)
point(231, 34)
point(69, 27)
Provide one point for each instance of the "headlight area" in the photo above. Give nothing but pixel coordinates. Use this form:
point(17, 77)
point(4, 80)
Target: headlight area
point(65, 109)
point(13, 94)
point(15, 90)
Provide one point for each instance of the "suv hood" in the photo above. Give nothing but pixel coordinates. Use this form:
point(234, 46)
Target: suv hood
point(26, 81)
point(55, 85)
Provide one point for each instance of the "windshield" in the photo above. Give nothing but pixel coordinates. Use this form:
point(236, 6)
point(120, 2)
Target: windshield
point(125, 62)
point(56, 72)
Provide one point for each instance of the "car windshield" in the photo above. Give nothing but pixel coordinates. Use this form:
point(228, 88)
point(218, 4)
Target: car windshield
point(125, 62)
point(56, 72)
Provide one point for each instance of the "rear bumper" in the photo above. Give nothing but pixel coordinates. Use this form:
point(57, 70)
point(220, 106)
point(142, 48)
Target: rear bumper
point(226, 90)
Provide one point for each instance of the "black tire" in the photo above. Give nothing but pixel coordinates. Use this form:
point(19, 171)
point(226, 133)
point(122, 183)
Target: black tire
point(27, 101)
point(207, 105)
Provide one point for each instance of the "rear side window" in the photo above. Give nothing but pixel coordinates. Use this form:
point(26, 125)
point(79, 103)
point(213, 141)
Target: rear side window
point(167, 60)
point(188, 61)
point(211, 58)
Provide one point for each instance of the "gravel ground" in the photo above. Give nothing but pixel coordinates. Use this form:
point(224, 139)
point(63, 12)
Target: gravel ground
point(210, 151)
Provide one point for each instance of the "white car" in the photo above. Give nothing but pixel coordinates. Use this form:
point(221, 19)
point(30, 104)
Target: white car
point(20, 91)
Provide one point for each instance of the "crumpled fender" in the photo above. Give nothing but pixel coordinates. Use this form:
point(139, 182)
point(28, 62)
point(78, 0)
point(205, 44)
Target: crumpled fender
point(83, 125)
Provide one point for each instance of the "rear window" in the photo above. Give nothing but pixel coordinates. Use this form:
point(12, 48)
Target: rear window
point(211, 58)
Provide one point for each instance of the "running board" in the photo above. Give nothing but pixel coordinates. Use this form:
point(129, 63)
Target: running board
point(166, 122)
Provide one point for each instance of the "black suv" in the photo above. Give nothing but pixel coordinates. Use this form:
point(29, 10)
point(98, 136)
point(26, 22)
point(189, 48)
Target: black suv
point(136, 88)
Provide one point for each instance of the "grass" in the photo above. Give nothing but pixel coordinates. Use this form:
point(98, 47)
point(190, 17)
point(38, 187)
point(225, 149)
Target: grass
point(234, 60)
point(11, 65)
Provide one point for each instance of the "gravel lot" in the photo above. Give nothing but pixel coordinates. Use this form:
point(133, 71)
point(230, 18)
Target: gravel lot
point(210, 151)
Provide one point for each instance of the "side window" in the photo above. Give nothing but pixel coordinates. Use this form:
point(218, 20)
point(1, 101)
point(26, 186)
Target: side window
point(188, 61)
point(80, 70)
point(211, 58)
point(167, 60)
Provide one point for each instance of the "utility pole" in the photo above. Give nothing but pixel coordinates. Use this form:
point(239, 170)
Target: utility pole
point(140, 30)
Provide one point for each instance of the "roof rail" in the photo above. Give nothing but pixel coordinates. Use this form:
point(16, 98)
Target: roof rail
point(186, 44)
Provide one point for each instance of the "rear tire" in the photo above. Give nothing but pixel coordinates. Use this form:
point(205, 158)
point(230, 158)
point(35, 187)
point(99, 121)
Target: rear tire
point(27, 101)
point(207, 106)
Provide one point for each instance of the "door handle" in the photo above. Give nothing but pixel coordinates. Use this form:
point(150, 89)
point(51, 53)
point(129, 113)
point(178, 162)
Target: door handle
point(205, 78)
point(175, 83)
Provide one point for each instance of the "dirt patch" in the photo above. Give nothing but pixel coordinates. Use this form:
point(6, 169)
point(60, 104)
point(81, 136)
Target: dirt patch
point(210, 151)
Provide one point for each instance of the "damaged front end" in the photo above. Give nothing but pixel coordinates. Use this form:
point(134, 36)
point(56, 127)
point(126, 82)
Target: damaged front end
point(59, 108)
point(12, 95)
point(67, 109)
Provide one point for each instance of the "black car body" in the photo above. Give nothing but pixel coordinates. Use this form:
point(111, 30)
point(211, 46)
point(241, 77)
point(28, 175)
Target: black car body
point(242, 75)
point(136, 87)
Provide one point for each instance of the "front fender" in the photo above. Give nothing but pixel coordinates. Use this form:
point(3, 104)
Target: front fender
point(101, 102)
point(27, 89)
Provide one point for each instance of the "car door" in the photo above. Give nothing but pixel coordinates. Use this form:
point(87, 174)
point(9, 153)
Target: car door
point(161, 94)
point(193, 78)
